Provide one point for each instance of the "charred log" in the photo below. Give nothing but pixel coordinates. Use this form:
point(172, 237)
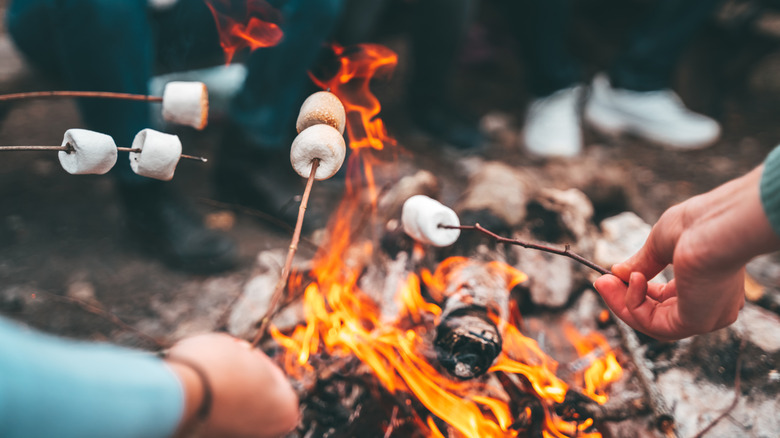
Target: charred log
point(467, 342)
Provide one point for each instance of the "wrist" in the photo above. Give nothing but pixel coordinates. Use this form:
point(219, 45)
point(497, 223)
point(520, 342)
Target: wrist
point(193, 391)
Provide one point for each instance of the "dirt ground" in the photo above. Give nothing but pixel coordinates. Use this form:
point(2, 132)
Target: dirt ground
point(63, 234)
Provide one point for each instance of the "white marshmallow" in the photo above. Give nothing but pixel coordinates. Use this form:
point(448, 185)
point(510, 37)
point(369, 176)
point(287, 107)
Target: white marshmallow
point(421, 217)
point(318, 141)
point(159, 154)
point(322, 107)
point(186, 103)
point(94, 153)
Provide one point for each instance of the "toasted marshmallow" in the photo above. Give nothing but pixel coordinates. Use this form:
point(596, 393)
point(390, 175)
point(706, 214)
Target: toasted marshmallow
point(322, 108)
point(322, 142)
point(186, 103)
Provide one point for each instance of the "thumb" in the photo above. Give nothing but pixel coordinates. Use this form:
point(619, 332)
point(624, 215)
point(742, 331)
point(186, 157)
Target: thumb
point(658, 250)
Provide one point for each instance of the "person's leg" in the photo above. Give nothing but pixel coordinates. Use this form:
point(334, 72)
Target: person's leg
point(277, 76)
point(438, 29)
point(552, 125)
point(253, 166)
point(542, 29)
point(656, 45)
point(637, 97)
point(106, 45)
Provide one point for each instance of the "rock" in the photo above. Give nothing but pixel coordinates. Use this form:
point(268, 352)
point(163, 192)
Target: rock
point(500, 189)
point(82, 290)
point(622, 236)
point(562, 216)
point(551, 278)
point(697, 402)
point(256, 298)
point(759, 327)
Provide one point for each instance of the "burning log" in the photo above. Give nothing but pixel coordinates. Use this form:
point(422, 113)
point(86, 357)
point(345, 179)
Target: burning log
point(467, 339)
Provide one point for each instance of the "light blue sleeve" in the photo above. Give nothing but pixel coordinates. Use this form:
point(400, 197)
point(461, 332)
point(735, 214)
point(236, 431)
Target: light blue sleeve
point(51, 387)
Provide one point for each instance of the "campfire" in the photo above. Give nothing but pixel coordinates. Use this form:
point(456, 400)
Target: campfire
point(439, 349)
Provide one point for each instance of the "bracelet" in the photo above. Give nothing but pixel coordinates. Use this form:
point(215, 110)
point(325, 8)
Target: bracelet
point(204, 409)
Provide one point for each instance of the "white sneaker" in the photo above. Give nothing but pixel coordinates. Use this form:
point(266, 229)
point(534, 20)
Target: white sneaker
point(657, 116)
point(552, 125)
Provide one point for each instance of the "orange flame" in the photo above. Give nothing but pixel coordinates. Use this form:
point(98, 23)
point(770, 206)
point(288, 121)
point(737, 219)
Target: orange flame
point(602, 367)
point(342, 320)
point(254, 27)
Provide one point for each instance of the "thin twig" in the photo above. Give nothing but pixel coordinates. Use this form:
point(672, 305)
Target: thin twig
point(664, 420)
point(282, 283)
point(69, 148)
point(92, 94)
point(737, 392)
point(109, 316)
point(564, 252)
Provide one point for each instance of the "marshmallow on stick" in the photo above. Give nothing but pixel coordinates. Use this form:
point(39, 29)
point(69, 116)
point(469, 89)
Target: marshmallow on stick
point(159, 154)
point(90, 152)
point(322, 142)
point(322, 108)
point(421, 217)
point(186, 103)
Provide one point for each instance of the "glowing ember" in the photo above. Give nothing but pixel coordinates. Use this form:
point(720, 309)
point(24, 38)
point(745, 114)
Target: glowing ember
point(342, 321)
point(254, 26)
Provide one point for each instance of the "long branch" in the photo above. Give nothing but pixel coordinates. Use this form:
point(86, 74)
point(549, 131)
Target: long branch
point(92, 94)
point(564, 252)
point(282, 283)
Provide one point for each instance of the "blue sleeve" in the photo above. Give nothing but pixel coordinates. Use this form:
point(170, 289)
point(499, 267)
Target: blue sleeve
point(51, 387)
point(770, 188)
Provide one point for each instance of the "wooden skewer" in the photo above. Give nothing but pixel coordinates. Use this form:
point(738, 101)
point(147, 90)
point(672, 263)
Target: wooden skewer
point(282, 283)
point(92, 94)
point(69, 148)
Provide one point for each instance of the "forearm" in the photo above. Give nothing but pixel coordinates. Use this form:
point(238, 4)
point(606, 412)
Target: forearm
point(54, 387)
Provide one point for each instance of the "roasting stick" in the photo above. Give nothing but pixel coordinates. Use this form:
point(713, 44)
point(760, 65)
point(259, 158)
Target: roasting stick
point(316, 153)
point(183, 103)
point(69, 148)
point(282, 283)
point(90, 94)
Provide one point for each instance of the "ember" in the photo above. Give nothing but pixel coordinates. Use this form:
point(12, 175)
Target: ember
point(458, 313)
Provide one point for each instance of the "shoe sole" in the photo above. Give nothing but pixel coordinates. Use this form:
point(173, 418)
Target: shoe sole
point(604, 122)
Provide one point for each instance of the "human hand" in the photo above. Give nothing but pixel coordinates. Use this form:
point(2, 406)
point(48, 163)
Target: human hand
point(251, 395)
point(708, 240)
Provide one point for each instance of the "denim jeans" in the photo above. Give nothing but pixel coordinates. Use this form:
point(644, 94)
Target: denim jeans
point(117, 45)
point(646, 63)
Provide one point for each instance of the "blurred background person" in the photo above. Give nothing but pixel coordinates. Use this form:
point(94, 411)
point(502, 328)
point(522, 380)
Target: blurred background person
point(436, 31)
point(635, 96)
point(118, 45)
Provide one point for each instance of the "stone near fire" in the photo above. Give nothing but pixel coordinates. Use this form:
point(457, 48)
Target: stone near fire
point(321, 142)
point(93, 152)
point(622, 236)
point(186, 103)
point(421, 217)
point(256, 297)
point(159, 154)
point(322, 108)
point(499, 189)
